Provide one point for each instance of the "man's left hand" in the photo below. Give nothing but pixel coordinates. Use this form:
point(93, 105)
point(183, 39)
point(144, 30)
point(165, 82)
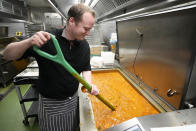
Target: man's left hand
point(94, 90)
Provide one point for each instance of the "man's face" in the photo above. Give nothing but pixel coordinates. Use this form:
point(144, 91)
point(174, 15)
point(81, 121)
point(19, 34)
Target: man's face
point(82, 28)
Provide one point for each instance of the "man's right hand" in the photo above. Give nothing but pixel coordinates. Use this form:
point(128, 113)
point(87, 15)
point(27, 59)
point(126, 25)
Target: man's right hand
point(39, 38)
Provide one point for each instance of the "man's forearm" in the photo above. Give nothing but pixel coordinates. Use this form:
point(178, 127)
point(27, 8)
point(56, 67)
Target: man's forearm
point(87, 76)
point(16, 49)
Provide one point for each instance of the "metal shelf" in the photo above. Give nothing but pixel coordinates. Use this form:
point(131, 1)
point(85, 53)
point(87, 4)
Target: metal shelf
point(33, 110)
point(31, 95)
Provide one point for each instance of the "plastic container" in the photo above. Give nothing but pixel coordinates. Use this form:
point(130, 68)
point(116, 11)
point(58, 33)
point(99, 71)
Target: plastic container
point(108, 58)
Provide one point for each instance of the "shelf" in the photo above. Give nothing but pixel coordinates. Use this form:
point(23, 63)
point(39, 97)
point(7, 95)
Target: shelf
point(21, 81)
point(31, 95)
point(33, 110)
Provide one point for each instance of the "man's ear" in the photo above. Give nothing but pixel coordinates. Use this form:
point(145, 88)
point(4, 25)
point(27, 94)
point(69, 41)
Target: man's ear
point(71, 21)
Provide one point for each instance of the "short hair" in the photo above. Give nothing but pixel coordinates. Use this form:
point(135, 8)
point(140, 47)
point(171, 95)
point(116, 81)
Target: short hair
point(77, 11)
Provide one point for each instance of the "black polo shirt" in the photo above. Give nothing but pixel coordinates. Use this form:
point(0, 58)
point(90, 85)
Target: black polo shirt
point(54, 80)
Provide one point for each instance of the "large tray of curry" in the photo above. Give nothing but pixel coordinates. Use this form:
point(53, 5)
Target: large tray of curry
point(118, 90)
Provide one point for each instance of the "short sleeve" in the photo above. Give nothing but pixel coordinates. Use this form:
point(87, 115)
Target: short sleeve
point(87, 66)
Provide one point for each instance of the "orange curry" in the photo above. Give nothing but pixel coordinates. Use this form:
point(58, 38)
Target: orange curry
point(118, 91)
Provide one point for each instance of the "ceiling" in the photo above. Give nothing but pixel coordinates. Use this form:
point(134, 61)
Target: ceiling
point(38, 3)
point(103, 8)
point(100, 6)
point(62, 5)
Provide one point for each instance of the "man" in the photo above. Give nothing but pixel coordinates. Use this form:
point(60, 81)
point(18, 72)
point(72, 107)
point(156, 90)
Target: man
point(58, 102)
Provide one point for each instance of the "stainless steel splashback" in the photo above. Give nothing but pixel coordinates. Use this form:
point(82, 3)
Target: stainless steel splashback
point(157, 49)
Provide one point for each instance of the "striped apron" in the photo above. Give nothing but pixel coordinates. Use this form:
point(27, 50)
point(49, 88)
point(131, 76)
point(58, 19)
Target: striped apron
point(59, 115)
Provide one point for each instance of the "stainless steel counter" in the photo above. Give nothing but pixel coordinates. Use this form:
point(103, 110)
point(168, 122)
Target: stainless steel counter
point(87, 123)
point(177, 118)
point(33, 65)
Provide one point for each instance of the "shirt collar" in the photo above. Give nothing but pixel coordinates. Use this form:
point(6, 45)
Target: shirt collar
point(75, 42)
point(63, 34)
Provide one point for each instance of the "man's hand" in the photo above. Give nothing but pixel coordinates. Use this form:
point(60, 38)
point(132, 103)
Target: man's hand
point(15, 50)
point(94, 90)
point(39, 38)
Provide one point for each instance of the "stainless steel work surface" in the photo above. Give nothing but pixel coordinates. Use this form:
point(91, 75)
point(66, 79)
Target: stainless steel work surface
point(87, 122)
point(168, 119)
point(33, 65)
point(29, 72)
point(28, 76)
